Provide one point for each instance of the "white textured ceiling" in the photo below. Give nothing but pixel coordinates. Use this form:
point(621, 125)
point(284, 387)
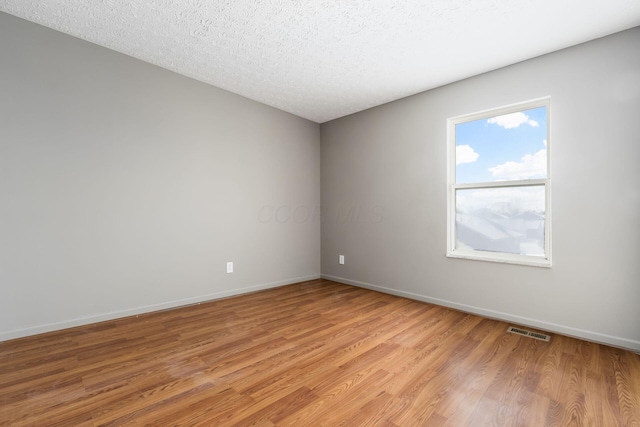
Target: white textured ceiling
point(323, 59)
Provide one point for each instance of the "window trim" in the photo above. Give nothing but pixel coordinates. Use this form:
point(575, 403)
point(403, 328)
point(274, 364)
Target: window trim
point(452, 187)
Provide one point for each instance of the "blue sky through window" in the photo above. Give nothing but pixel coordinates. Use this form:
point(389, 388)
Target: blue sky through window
point(508, 147)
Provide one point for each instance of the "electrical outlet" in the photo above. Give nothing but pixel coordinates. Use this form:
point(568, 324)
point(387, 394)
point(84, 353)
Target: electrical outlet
point(230, 267)
point(340, 259)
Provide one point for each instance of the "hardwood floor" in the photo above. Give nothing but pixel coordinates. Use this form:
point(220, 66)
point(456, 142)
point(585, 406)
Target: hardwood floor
point(313, 354)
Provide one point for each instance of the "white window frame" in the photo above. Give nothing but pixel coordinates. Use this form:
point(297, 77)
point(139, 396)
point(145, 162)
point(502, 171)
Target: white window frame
point(453, 187)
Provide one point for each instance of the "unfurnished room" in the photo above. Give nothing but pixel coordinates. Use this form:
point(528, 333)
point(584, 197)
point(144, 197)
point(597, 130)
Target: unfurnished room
point(327, 213)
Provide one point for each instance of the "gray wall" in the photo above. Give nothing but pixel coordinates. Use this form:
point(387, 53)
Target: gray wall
point(126, 188)
point(383, 191)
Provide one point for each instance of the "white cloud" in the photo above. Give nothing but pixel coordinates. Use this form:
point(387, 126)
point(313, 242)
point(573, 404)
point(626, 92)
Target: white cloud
point(544, 142)
point(465, 154)
point(513, 120)
point(531, 166)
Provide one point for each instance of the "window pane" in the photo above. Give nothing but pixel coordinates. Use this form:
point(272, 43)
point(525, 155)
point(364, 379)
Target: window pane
point(509, 220)
point(502, 148)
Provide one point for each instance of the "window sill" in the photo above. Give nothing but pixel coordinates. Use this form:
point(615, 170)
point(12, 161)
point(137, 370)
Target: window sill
point(531, 261)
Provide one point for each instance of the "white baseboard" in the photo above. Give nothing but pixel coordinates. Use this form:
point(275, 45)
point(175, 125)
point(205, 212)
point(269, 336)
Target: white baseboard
point(56, 326)
point(596, 337)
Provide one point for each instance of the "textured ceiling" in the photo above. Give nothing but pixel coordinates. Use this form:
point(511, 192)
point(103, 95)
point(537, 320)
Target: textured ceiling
point(323, 59)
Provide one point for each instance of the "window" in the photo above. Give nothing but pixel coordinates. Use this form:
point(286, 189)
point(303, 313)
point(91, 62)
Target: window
point(499, 186)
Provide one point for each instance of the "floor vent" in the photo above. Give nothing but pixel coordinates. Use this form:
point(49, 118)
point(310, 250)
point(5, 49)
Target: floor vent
point(536, 335)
